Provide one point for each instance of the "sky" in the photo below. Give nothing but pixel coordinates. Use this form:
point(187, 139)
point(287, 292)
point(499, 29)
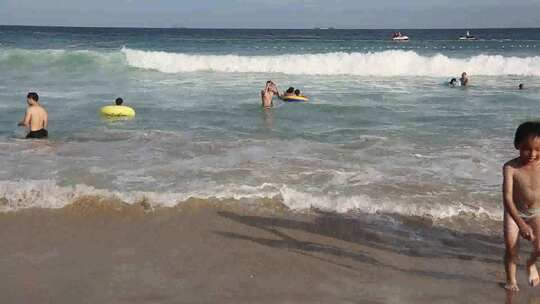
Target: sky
point(392, 14)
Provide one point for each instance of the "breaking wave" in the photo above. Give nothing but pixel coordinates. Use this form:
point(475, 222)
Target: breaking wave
point(385, 63)
point(20, 195)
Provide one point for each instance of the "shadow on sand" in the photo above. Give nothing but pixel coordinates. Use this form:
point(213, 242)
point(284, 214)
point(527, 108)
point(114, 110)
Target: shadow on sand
point(411, 239)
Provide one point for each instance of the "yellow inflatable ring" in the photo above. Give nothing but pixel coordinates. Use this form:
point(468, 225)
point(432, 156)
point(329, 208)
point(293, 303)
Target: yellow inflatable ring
point(118, 111)
point(295, 98)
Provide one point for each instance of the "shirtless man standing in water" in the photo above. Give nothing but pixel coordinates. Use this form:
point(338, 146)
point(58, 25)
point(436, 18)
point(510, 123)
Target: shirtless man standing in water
point(267, 94)
point(36, 118)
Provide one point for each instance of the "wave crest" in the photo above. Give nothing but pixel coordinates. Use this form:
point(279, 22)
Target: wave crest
point(20, 195)
point(386, 63)
point(48, 58)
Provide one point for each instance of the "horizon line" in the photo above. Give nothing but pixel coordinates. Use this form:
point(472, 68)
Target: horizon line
point(330, 28)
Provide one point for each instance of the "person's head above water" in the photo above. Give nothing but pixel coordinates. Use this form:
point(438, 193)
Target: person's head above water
point(297, 92)
point(32, 98)
point(270, 84)
point(520, 86)
point(453, 81)
point(119, 101)
point(464, 79)
point(290, 90)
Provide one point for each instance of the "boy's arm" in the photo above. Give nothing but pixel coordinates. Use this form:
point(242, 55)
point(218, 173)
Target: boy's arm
point(508, 185)
point(46, 121)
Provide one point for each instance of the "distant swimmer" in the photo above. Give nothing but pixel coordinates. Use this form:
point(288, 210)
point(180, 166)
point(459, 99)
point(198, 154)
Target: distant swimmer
point(268, 93)
point(453, 82)
point(36, 117)
point(293, 95)
point(118, 110)
point(521, 86)
point(289, 92)
point(464, 80)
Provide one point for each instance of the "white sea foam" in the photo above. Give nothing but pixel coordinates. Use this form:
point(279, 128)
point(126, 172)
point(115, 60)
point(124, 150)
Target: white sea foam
point(19, 195)
point(298, 200)
point(385, 63)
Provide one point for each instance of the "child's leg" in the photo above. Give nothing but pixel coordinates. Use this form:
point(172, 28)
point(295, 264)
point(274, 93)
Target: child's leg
point(534, 279)
point(511, 242)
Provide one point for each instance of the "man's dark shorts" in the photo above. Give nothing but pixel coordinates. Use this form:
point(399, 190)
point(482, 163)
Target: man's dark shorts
point(38, 134)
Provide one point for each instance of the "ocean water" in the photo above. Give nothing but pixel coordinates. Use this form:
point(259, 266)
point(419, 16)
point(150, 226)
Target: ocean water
point(382, 132)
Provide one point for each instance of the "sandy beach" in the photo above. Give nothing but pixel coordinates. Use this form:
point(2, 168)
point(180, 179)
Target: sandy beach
point(103, 251)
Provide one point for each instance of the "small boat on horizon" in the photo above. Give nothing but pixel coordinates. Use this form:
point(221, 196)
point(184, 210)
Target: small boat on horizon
point(468, 36)
point(397, 36)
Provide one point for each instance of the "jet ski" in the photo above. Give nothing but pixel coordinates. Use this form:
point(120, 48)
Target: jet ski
point(400, 37)
point(467, 36)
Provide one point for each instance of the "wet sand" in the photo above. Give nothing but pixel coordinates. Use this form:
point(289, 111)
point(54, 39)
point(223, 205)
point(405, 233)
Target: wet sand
point(214, 252)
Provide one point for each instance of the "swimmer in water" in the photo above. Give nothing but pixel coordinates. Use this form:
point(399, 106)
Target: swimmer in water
point(453, 82)
point(520, 86)
point(464, 80)
point(289, 92)
point(36, 117)
point(119, 101)
point(297, 92)
point(268, 93)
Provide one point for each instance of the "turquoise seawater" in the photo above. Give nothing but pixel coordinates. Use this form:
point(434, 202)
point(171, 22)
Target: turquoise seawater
point(382, 131)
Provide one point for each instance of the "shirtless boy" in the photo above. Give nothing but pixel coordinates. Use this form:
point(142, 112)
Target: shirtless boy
point(36, 117)
point(521, 195)
point(268, 93)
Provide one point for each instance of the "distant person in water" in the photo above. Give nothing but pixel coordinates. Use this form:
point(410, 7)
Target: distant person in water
point(289, 92)
point(520, 86)
point(521, 196)
point(267, 94)
point(119, 101)
point(453, 82)
point(35, 118)
point(464, 80)
point(297, 92)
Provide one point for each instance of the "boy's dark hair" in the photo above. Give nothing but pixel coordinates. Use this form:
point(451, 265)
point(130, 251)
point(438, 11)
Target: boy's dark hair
point(297, 92)
point(520, 86)
point(119, 101)
point(33, 95)
point(290, 90)
point(526, 130)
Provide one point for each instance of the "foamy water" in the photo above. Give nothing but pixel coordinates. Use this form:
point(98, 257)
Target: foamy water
point(385, 63)
point(382, 132)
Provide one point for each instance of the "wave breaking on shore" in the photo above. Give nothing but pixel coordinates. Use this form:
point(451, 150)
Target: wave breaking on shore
point(46, 194)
